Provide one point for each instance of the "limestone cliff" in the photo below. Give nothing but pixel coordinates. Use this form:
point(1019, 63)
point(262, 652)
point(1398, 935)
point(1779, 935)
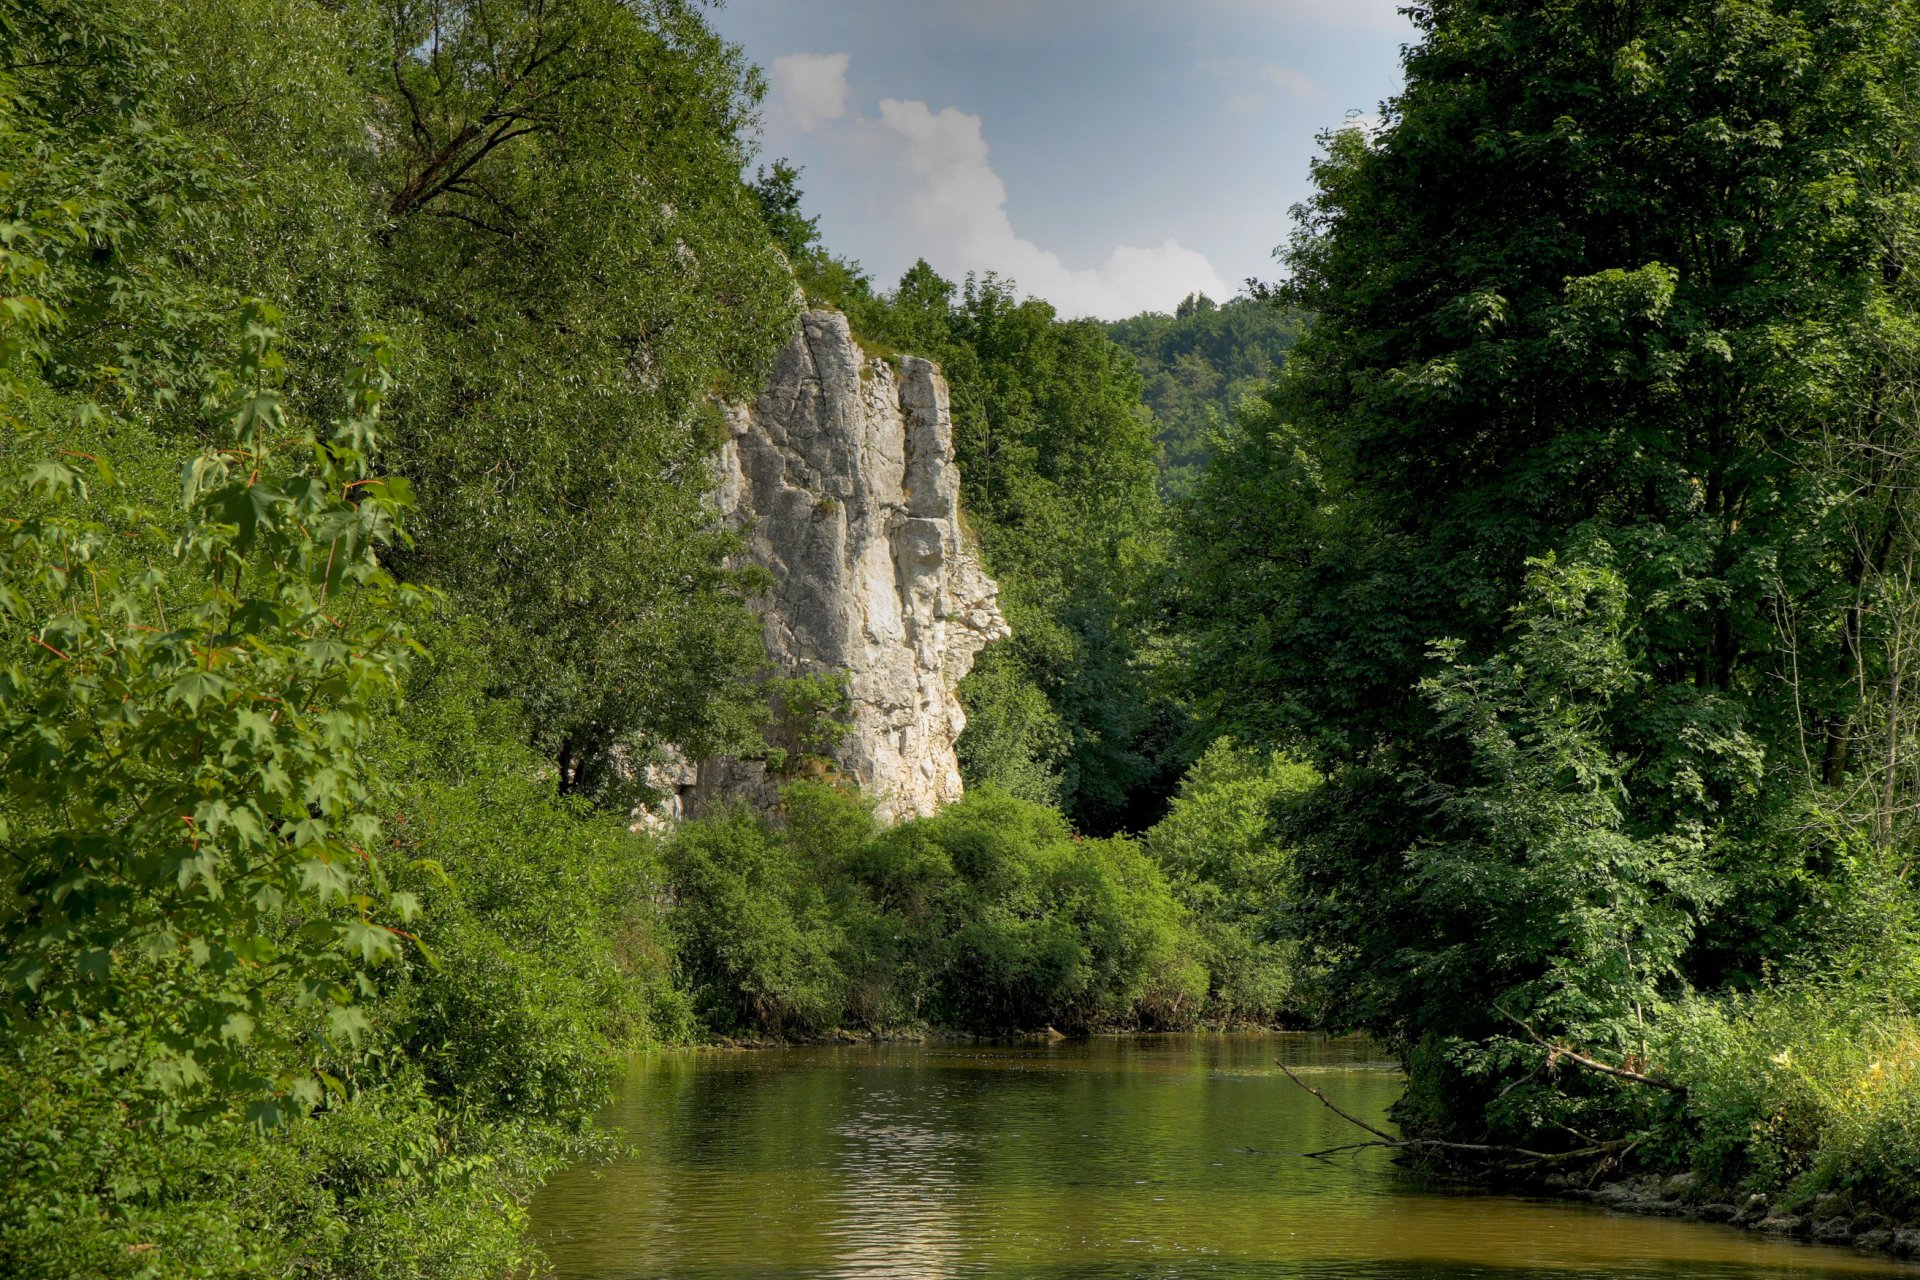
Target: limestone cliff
point(842, 478)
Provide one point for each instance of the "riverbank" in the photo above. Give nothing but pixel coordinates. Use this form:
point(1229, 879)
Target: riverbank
point(1828, 1218)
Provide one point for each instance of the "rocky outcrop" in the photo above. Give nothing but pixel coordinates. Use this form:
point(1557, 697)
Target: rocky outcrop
point(842, 478)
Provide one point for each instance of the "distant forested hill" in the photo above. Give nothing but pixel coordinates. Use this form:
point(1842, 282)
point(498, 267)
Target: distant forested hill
point(1198, 364)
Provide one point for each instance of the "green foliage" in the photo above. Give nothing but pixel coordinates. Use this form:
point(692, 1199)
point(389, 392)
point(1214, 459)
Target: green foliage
point(549, 961)
point(584, 270)
point(1806, 1090)
point(778, 191)
point(990, 916)
point(1026, 923)
point(1058, 463)
point(295, 983)
point(1533, 833)
point(756, 939)
point(1014, 738)
point(1221, 849)
point(375, 1187)
point(1553, 544)
point(542, 203)
point(1199, 364)
point(808, 719)
point(182, 778)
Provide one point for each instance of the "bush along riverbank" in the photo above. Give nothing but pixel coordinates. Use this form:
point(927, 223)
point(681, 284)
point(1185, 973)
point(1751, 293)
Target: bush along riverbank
point(992, 917)
point(1794, 1113)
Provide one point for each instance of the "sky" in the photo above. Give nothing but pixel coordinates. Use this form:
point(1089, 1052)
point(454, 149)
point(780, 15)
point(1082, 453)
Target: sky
point(1110, 156)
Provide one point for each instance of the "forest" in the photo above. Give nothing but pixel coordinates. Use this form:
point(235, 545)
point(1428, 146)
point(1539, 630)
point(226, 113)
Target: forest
point(1492, 636)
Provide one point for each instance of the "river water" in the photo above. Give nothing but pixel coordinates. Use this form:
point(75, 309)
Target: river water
point(1159, 1156)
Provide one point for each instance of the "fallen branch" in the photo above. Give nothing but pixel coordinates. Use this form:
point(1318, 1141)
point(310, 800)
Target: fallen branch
point(1327, 1102)
point(1386, 1141)
point(1559, 1052)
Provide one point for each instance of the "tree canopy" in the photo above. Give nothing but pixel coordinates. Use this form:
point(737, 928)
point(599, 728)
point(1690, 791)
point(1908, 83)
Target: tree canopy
point(1558, 544)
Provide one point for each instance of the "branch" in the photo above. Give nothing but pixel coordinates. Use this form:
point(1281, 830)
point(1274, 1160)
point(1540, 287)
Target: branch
point(1386, 1141)
point(476, 223)
point(1327, 1102)
point(1556, 1052)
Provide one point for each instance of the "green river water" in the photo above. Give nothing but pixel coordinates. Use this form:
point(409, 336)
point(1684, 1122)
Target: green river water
point(1159, 1156)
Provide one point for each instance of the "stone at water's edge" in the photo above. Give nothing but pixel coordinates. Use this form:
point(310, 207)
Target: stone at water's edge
point(842, 476)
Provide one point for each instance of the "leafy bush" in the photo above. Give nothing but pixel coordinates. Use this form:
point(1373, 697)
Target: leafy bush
point(549, 962)
point(757, 943)
point(990, 916)
point(1226, 861)
point(374, 1187)
point(186, 805)
point(1024, 923)
point(1803, 1090)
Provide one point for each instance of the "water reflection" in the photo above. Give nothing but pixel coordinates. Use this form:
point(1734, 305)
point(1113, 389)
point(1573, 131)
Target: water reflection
point(1152, 1157)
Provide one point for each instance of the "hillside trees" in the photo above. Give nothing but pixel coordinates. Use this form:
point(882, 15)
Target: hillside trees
point(1608, 289)
point(1058, 466)
point(1199, 364)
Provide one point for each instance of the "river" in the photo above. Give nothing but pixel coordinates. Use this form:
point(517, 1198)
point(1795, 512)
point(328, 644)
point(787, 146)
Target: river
point(1156, 1156)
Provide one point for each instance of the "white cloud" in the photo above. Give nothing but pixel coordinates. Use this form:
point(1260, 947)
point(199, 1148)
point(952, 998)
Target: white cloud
point(1289, 80)
point(949, 203)
point(811, 88)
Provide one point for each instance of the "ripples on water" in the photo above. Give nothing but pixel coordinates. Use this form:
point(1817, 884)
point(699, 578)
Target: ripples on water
point(1163, 1157)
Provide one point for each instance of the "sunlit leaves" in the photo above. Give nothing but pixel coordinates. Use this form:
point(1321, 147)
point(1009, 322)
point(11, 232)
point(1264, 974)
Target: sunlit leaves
point(182, 738)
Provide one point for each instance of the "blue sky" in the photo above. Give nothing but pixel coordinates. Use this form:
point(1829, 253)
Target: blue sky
point(1109, 155)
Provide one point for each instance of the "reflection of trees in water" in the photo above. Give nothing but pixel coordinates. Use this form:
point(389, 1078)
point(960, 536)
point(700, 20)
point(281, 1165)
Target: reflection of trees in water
point(1115, 1158)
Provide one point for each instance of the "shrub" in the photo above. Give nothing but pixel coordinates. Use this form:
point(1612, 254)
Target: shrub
point(1227, 865)
point(1803, 1089)
point(991, 916)
point(757, 942)
point(539, 910)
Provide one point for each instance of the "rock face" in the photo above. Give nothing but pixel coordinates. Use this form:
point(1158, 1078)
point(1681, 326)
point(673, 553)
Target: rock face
point(842, 477)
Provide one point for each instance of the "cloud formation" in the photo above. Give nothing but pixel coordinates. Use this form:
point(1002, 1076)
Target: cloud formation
point(932, 175)
point(1290, 80)
point(811, 88)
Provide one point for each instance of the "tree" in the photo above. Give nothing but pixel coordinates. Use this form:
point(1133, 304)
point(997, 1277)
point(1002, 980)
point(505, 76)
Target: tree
point(1593, 285)
point(566, 230)
point(778, 191)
